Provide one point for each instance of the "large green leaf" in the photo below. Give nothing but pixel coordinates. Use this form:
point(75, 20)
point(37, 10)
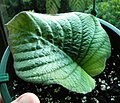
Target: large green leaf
point(65, 49)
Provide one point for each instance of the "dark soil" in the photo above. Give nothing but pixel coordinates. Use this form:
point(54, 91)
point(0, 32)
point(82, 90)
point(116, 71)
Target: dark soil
point(107, 87)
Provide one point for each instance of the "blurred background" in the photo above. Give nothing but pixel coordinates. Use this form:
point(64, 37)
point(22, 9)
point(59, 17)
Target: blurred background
point(108, 10)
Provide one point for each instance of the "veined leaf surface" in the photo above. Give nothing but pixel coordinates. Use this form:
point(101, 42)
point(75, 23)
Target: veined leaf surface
point(65, 49)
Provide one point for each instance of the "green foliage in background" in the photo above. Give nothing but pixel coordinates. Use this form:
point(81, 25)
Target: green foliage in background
point(79, 5)
point(52, 6)
point(10, 8)
point(44, 6)
point(110, 11)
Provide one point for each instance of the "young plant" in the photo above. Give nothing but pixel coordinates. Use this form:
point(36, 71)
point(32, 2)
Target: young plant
point(66, 49)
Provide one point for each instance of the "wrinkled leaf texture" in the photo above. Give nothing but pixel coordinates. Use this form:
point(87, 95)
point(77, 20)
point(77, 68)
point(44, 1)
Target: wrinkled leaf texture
point(65, 49)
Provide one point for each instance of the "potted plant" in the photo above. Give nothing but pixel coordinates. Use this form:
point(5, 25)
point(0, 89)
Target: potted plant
point(103, 90)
